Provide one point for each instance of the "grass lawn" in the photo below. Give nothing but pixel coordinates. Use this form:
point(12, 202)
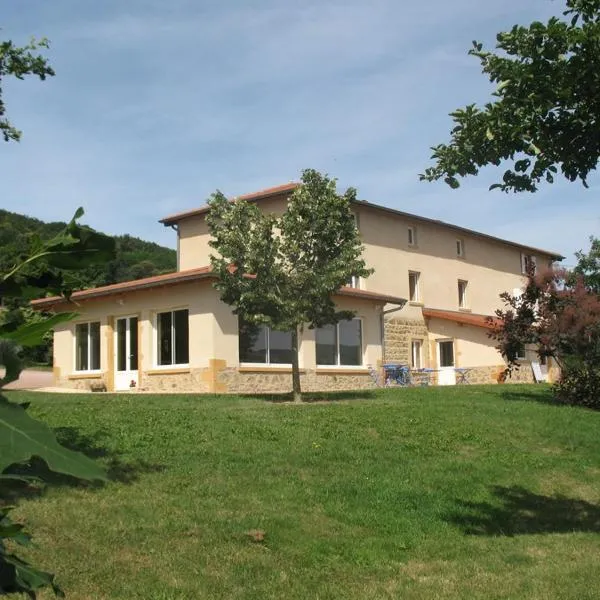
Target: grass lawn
point(465, 492)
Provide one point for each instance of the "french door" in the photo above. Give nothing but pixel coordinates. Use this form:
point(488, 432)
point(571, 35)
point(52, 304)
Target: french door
point(126, 353)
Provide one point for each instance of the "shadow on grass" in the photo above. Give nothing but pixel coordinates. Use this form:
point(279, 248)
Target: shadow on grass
point(521, 393)
point(521, 512)
point(308, 397)
point(117, 469)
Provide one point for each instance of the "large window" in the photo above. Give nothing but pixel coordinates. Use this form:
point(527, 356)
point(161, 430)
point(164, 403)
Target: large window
point(87, 346)
point(414, 294)
point(340, 344)
point(263, 345)
point(172, 337)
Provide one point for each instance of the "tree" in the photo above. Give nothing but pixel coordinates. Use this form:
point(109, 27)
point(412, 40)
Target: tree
point(22, 437)
point(588, 266)
point(283, 271)
point(18, 62)
point(546, 111)
point(559, 315)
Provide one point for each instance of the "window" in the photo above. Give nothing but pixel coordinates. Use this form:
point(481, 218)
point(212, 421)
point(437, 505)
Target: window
point(528, 263)
point(172, 337)
point(340, 344)
point(413, 286)
point(446, 353)
point(263, 345)
point(462, 293)
point(412, 236)
point(416, 347)
point(354, 282)
point(87, 346)
point(520, 354)
point(460, 248)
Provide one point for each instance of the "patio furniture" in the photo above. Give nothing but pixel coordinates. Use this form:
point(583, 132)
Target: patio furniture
point(396, 374)
point(462, 376)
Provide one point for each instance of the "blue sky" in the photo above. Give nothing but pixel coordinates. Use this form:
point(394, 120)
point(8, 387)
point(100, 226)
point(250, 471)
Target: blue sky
point(156, 104)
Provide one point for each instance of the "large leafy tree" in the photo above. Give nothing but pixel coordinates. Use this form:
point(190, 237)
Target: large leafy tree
point(545, 115)
point(283, 271)
point(20, 61)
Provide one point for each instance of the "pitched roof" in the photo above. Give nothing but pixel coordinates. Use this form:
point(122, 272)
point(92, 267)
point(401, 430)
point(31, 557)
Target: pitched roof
point(290, 187)
point(178, 277)
point(466, 318)
point(260, 195)
point(127, 286)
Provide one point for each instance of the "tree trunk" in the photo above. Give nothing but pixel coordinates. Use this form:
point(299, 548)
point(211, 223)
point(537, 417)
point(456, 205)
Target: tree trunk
point(295, 368)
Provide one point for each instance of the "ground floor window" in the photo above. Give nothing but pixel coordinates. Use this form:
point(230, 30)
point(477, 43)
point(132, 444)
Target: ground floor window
point(446, 353)
point(87, 346)
point(416, 347)
point(172, 337)
point(262, 345)
point(340, 344)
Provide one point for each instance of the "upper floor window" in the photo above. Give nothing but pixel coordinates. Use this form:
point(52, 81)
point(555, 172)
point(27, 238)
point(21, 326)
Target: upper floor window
point(462, 293)
point(354, 282)
point(416, 348)
point(460, 248)
point(414, 294)
point(172, 337)
point(412, 236)
point(87, 346)
point(340, 344)
point(263, 345)
point(528, 263)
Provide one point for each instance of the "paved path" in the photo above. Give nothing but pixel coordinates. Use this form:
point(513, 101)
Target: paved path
point(30, 379)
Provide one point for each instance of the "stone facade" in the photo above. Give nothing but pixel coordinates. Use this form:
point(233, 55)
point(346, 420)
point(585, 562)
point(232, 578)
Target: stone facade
point(263, 382)
point(398, 336)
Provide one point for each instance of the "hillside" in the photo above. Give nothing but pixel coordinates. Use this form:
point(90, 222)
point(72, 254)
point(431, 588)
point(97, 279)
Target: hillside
point(135, 258)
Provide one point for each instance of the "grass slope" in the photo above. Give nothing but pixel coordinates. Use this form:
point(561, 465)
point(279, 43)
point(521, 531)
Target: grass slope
point(465, 492)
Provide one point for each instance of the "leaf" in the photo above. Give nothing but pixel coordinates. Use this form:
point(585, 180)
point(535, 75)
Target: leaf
point(10, 359)
point(32, 334)
point(22, 437)
point(28, 578)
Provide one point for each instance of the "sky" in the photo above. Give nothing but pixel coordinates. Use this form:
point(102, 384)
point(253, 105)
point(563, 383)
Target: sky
point(156, 104)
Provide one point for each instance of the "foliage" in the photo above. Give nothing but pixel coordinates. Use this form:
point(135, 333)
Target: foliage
point(560, 316)
point(361, 496)
point(22, 437)
point(18, 62)
point(20, 235)
point(588, 266)
point(545, 115)
point(283, 271)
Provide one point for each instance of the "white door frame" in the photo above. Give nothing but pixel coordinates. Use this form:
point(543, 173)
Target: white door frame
point(446, 375)
point(123, 379)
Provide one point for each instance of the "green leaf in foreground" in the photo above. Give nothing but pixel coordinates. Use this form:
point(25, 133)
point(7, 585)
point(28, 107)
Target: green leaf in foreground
point(31, 334)
point(22, 437)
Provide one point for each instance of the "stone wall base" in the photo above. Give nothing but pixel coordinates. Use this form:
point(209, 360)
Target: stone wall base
point(398, 335)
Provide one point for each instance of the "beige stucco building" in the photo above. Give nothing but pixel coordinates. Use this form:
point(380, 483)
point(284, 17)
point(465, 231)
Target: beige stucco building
point(425, 306)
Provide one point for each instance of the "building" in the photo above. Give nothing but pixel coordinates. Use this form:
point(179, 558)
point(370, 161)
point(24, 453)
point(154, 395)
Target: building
point(426, 305)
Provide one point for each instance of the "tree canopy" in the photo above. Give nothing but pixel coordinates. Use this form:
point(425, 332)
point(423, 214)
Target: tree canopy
point(283, 271)
point(545, 116)
point(20, 61)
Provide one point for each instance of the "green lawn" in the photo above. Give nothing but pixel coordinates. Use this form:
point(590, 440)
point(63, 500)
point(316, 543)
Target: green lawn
point(464, 492)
